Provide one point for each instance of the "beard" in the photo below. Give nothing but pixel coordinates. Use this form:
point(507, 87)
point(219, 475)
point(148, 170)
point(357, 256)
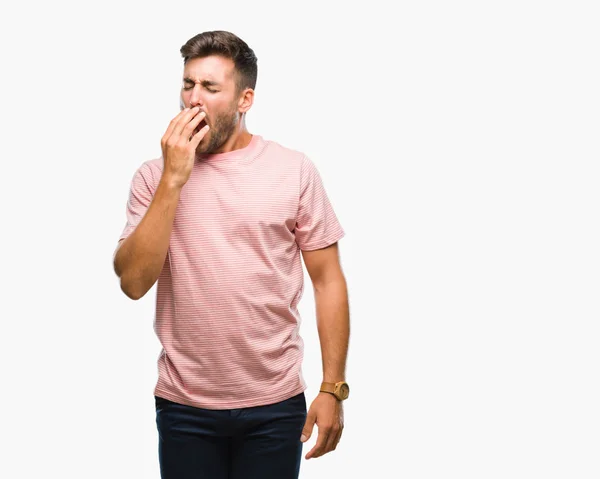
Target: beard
point(222, 126)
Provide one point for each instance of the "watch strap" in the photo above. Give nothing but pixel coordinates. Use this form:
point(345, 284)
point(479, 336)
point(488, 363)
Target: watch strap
point(327, 387)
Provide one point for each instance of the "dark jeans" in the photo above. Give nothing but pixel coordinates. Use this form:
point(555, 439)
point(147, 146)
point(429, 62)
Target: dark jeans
point(248, 443)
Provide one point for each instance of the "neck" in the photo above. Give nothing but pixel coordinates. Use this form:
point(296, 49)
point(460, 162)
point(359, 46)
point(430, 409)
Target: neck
point(240, 138)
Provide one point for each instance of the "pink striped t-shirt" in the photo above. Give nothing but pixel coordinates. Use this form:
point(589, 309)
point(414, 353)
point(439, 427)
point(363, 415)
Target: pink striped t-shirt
point(227, 296)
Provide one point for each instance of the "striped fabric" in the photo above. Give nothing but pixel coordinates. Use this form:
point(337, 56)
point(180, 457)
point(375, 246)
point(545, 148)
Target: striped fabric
point(227, 297)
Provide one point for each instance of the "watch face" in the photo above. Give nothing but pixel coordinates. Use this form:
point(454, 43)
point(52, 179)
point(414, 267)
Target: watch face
point(344, 391)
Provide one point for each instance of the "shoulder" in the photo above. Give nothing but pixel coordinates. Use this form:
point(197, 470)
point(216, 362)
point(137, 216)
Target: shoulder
point(149, 172)
point(285, 154)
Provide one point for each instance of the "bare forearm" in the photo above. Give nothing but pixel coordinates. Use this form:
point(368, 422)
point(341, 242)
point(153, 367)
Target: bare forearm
point(141, 257)
point(333, 324)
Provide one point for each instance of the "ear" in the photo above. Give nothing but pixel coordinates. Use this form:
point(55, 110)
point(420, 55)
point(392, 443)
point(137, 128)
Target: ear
point(246, 100)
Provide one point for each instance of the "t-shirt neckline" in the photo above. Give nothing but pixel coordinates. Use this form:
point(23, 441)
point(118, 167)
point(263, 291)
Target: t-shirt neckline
point(239, 154)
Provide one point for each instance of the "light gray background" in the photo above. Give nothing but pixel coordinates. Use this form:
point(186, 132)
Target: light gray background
point(458, 142)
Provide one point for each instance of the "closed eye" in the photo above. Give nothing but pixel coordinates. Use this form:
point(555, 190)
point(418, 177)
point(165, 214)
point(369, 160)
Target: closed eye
point(209, 85)
point(207, 89)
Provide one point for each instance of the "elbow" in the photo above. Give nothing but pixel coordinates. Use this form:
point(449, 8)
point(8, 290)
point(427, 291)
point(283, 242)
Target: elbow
point(135, 295)
point(133, 289)
point(132, 282)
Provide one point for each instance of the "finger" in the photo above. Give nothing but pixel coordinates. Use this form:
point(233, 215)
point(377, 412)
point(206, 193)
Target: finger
point(197, 138)
point(188, 130)
point(337, 439)
point(308, 426)
point(172, 124)
point(319, 447)
point(182, 122)
point(331, 441)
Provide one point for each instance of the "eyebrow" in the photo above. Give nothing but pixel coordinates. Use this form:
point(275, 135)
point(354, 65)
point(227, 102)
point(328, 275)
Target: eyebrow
point(203, 82)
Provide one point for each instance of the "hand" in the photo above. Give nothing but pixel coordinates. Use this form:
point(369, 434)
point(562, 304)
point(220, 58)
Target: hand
point(328, 413)
point(179, 146)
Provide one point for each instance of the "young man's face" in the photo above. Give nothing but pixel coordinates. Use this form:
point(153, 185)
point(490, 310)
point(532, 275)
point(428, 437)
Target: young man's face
point(209, 83)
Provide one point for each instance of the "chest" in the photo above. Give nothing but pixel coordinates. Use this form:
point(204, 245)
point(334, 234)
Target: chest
point(237, 206)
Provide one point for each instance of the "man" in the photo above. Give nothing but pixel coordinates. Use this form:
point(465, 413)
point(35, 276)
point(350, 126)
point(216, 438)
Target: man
point(221, 220)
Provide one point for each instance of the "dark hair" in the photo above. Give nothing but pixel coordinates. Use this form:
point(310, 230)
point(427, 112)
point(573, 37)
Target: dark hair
point(227, 45)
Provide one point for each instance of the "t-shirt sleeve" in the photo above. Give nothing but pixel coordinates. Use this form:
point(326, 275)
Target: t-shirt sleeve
point(141, 193)
point(317, 225)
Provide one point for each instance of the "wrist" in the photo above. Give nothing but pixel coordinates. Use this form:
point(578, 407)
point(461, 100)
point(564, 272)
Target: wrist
point(339, 389)
point(171, 184)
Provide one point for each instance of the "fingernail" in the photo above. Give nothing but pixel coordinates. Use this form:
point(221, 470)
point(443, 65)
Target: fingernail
point(303, 438)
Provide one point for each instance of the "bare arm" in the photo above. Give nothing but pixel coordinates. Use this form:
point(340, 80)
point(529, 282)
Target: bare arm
point(333, 323)
point(141, 256)
point(333, 317)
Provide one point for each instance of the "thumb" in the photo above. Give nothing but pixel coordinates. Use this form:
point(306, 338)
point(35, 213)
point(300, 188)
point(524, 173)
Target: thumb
point(308, 427)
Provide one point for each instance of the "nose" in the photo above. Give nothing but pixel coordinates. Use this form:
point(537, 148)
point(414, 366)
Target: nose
point(195, 97)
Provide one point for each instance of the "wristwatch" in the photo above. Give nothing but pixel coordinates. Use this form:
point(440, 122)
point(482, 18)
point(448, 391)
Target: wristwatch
point(340, 390)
